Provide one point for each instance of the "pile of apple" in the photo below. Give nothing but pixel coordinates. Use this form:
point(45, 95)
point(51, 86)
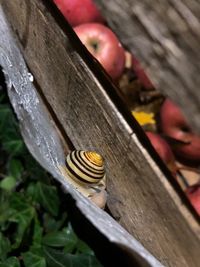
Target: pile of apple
point(175, 139)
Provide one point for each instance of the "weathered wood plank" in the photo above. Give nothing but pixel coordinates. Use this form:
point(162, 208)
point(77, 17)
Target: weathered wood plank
point(40, 132)
point(139, 193)
point(165, 36)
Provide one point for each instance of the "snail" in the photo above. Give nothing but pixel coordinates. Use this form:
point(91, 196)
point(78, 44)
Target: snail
point(85, 170)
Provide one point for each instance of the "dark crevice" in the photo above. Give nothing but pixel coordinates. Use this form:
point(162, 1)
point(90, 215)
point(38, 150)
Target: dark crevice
point(2, 80)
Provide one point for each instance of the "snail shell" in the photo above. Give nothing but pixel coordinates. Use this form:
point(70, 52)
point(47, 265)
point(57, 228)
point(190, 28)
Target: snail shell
point(85, 167)
point(85, 171)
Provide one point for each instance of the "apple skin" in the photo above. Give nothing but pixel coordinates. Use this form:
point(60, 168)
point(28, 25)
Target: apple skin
point(163, 150)
point(193, 193)
point(174, 124)
point(103, 44)
point(142, 76)
point(78, 12)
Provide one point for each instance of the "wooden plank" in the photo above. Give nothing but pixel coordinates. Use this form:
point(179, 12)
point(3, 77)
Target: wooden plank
point(165, 36)
point(139, 195)
point(40, 132)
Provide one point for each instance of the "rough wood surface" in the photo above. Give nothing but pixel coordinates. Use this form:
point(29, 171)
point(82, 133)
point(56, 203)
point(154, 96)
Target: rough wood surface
point(140, 196)
point(165, 36)
point(40, 132)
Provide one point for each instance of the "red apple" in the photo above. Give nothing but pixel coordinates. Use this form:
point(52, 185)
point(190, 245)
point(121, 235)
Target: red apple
point(174, 124)
point(163, 150)
point(79, 11)
point(140, 73)
point(103, 44)
point(193, 193)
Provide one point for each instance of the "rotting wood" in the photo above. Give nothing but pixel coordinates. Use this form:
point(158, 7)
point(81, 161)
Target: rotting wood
point(165, 36)
point(138, 196)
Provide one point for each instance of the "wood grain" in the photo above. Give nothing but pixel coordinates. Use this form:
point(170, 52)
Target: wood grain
point(85, 103)
point(165, 36)
point(39, 130)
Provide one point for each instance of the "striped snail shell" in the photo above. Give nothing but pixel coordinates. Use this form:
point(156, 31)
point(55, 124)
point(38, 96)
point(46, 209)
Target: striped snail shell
point(85, 167)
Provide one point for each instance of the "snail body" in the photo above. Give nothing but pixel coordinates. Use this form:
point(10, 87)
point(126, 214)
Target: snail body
point(85, 170)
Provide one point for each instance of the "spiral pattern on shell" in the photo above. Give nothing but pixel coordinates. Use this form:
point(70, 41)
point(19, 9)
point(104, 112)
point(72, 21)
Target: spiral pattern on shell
point(85, 166)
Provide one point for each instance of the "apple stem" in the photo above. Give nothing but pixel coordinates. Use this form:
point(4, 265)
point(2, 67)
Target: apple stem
point(94, 45)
